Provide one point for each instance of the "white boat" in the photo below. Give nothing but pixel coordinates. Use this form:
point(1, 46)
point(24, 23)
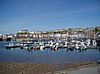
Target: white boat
point(11, 45)
point(42, 47)
point(94, 43)
point(77, 46)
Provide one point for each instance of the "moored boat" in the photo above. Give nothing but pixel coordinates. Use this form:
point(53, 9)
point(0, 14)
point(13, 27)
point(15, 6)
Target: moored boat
point(12, 45)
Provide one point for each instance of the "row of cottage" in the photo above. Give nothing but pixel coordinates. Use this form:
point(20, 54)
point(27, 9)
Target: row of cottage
point(92, 33)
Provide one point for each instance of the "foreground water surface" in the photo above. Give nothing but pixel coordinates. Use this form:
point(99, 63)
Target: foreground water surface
point(47, 56)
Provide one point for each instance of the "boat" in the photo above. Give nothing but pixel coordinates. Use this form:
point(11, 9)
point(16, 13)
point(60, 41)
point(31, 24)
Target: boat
point(12, 45)
point(83, 48)
point(77, 46)
point(42, 47)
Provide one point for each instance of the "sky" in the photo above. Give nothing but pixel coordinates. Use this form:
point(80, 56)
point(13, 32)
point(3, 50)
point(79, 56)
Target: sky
point(45, 15)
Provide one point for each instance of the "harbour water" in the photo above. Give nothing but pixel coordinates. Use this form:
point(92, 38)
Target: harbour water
point(48, 56)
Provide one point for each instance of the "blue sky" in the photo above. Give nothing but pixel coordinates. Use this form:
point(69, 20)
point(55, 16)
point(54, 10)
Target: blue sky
point(44, 15)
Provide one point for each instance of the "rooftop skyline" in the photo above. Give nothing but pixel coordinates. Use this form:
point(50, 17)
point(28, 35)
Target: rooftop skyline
point(44, 15)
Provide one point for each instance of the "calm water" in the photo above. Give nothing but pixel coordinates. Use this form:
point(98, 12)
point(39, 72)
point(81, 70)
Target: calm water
point(47, 56)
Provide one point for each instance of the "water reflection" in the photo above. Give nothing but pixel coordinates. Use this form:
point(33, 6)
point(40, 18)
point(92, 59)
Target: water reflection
point(98, 49)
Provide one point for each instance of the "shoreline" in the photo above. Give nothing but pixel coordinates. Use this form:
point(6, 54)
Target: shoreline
point(33, 68)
